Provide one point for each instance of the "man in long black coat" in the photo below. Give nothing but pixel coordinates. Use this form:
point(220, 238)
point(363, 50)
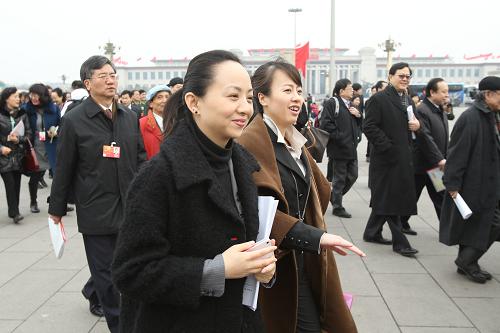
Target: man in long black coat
point(431, 144)
point(473, 170)
point(99, 153)
point(389, 128)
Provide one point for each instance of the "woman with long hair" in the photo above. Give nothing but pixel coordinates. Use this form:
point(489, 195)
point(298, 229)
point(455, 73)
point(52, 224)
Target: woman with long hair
point(181, 259)
point(13, 145)
point(307, 296)
point(44, 120)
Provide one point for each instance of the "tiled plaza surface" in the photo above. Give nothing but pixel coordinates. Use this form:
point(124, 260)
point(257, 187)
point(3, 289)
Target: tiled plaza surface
point(39, 293)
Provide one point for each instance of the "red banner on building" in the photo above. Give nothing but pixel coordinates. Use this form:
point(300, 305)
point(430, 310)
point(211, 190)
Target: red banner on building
point(301, 56)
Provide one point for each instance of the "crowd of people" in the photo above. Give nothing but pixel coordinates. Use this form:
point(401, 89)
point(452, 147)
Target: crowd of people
point(166, 185)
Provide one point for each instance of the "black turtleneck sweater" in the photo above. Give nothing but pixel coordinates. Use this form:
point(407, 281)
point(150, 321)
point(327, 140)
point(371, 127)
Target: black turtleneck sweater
point(218, 158)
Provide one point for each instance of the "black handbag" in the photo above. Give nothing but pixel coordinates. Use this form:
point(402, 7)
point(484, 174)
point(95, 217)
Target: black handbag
point(317, 139)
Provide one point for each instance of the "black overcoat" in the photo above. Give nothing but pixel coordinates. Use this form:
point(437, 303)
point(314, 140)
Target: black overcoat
point(431, 145)
point(14, 160)
point(100, 184)
point(472, 168)
point(178, 216)
point(344, 129)
point(391, 171)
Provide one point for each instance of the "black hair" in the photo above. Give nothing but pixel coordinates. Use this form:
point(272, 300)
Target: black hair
point(142, 91)
point(432, 85)
point(60, 93)
point(339, 85)
point(379, 85)
point(356, 86)
point(126, 92)
point(4, 96)
point(42, 91)
point(92, 64)
point(77, 84)
point(397, 66)
point(262, 79)
point(199, 76)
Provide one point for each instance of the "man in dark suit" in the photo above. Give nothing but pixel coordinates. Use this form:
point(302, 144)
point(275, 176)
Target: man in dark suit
point(100, 151)
point(431, 144)
point(343, 123)
point(473, 169)
point(389, 125)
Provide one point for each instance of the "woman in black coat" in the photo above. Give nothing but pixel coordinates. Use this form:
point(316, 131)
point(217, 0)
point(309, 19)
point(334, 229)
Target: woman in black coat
point(181, 259)
point(12, 148)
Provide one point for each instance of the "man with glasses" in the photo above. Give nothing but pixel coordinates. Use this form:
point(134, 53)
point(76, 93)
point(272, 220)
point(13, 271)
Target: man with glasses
point(100, 151)
point(389, 126)
point(473, 170)
point(431, 144)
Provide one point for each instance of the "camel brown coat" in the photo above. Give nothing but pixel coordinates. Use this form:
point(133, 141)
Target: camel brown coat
point(278, 304)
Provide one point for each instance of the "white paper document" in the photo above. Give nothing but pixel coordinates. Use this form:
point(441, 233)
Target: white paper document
point(436, 176)
point(462, 206)
point(58, 237)
point(18, 129)
point(267, 211)
point(411, 116)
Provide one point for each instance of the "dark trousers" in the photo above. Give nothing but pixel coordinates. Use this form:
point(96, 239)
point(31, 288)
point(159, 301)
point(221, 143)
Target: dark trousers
point(374, 230)
point(99, 250)
point(437, 198)
point(368, 148)
point(12, 182)
point(307, 311)
point(345, 173)
point(329, 169)
point(469, 256)
point(33, 184)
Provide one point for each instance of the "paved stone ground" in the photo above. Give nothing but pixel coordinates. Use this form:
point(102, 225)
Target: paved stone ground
point(39, 293)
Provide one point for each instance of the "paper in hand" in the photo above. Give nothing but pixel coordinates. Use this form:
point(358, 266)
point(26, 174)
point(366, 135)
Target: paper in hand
point(411, 116)
point(436, 176)
point(462, 206)
point(18, 129)
point(58, 237)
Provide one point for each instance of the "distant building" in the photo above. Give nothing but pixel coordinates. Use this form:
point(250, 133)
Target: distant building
point(364, 67)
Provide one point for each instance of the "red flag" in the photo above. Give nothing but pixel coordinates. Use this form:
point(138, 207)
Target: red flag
point(301, 56)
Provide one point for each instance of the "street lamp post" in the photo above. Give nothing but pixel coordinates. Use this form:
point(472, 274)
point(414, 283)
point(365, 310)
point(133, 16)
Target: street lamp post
point(295, 11)
point(109, 50)
point(333, 70)
point(389, 47)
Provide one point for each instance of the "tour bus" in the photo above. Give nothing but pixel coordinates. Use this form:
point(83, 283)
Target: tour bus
point(455, 90)
point(470, 94)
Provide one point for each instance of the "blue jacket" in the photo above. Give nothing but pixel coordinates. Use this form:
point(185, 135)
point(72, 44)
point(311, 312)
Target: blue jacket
point(51, 117)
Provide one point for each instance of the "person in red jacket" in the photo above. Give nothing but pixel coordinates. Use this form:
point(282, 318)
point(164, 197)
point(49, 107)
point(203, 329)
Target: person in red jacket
point(152, 125)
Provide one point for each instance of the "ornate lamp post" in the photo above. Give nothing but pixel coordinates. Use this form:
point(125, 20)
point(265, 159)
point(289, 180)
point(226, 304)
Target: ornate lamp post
point(109, 50)
point(389, 47)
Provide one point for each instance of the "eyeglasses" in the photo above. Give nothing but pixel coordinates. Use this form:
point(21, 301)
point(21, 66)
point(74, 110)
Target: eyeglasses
point(105, 76)
point(404, 76)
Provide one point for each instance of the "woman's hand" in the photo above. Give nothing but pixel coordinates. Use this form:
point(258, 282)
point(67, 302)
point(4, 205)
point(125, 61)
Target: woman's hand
point(13, 138)
point(6, 151)
point(338, 244)
point(267, 273)
point(238, 263)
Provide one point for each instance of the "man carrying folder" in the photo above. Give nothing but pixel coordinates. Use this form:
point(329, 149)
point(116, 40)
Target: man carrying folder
point(473, 169)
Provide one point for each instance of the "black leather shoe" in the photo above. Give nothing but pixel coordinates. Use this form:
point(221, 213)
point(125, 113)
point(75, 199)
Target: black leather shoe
point(17, 218)
point(409, 231)
point(407, 252)
point(378, 240)
point(486, 274)
point(341, 212)
point(94, 306)
point(473, 275)
point(34, 208)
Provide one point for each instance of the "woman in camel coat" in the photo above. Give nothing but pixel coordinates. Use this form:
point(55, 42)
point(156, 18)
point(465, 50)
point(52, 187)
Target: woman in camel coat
point(307, 296)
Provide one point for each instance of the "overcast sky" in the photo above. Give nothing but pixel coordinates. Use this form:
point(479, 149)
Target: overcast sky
point(41, 40)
